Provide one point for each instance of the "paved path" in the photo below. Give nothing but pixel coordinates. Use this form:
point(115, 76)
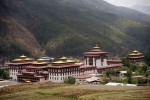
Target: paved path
point(7, 83)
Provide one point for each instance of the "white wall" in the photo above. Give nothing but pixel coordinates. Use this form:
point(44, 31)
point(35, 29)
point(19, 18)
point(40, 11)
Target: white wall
point(13, 74)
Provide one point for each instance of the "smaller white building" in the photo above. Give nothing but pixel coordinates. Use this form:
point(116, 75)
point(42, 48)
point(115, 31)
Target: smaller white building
point(17, 65)
point(62, 69)
point(122, 73)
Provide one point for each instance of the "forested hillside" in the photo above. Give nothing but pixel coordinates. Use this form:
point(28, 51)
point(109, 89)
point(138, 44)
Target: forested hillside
point(70, 27)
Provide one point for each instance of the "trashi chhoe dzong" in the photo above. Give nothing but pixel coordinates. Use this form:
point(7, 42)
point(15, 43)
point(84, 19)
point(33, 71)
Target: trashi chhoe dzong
point(26, 69)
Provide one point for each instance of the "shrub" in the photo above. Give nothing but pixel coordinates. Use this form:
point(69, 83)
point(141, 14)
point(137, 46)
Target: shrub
point(105, 80)
point(147, 58)
point(1, 72)
point(133, 67)
point(122, 68)
point(5, 74)
point(129, 73)
point(70, 80)
point(137, 80)
point(144, 68)
point(121, 80)
point(125, 61)
point(147, 73)
point(129, 80)
point(110, 72)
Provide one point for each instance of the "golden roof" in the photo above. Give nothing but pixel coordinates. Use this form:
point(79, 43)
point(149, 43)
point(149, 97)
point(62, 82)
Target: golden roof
point(63, 58)
point(132, 54)
point(39, 63)
point(23, 56)
point(29, 59)
point(135, 51)
point(58, 62)
point(96, 47)
point(40, 59)
point(17, 59)
point(79, 63)
point(71, 61)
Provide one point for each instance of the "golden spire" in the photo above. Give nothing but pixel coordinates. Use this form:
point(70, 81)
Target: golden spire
point(23, 56)
point(135, 51)
point(96, 47)
point(40, 61)
point(63, 58)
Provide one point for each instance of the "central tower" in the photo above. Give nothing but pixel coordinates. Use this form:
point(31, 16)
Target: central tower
point(95, 57)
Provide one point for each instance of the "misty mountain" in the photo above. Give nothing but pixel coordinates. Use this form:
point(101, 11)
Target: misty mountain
point(144, 9)
point(70, 27)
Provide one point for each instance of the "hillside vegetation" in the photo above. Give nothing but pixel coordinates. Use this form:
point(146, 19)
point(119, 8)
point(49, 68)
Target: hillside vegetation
point(70, 27)
point(50, 91)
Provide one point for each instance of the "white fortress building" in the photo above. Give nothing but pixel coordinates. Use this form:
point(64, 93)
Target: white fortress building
point(27, 70)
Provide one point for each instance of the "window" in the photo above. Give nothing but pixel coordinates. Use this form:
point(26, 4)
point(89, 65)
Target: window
point(90, 61)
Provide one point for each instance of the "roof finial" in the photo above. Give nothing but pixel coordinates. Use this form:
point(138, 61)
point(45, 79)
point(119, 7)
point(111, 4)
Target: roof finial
point(135, 51)
point(96, 47)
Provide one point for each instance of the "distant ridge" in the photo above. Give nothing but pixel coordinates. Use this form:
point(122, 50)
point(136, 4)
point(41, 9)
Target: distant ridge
point(144, 9)
point(70, 27)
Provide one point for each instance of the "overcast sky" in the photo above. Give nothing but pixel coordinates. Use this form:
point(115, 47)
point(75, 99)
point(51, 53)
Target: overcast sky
point(129, 3)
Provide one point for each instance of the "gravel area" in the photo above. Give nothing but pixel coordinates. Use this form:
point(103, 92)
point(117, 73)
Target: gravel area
point(7, 83)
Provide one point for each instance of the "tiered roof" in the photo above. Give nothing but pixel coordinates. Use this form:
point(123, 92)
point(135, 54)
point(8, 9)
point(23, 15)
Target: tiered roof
point(41, 62)
point(96, 51)
point(136, 55)
point(64, 62)
point(21, 60)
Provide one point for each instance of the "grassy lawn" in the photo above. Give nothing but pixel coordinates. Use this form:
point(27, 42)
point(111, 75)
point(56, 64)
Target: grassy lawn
point(49, 91)
point(134, 95)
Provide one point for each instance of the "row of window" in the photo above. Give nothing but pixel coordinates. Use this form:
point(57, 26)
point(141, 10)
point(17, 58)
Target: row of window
point(63, 70)
point(20, 67)
point(13, 73)
point(63, 74)
point(14, 70)
point(62, 77)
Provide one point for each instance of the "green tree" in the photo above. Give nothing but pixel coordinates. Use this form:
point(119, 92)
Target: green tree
point(147, 58)
point(1, 72)
point(139, 71)
point(70, 80)
point(107, 72)
point(147, 73)
point(129, 80)
point(122, 68)
point(129, 74)
point(136, 80)
point(144, 68)
point(133, 67)
point(110, 72)
point(5, 74)
point(125, 61)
